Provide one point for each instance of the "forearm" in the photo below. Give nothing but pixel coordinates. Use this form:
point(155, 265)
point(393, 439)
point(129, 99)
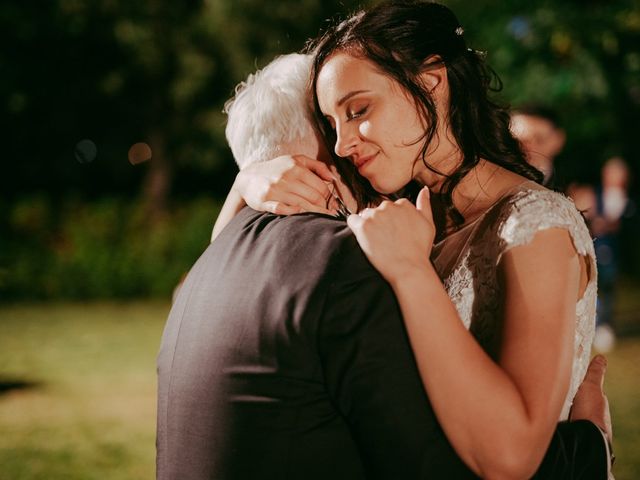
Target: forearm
point(232, 205)
point(479, 407)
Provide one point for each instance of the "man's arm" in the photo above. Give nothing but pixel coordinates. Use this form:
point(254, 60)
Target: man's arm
point(590, 402)
point(581, 448)
point(577, 451)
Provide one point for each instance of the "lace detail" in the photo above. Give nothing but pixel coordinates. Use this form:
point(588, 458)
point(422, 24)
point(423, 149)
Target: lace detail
point(467, 261)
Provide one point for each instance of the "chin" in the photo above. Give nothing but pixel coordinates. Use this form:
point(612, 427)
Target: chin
point(386, 187)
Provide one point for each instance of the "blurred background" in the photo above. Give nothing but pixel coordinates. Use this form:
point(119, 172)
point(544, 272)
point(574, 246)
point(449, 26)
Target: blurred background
point(115, 166)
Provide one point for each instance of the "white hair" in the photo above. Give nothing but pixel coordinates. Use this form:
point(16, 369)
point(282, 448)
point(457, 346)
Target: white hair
point(270, 110)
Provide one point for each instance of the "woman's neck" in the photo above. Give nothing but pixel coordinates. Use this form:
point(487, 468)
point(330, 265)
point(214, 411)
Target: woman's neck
point(472, 188)
point(475, 194)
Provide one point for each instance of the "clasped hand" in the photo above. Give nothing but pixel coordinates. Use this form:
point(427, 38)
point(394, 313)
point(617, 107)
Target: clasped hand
point(287, 185)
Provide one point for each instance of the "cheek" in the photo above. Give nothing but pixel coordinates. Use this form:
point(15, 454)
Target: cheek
point(418, 126)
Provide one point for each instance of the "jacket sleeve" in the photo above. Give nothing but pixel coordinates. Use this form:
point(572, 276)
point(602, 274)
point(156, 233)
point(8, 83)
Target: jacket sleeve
point(578, 450)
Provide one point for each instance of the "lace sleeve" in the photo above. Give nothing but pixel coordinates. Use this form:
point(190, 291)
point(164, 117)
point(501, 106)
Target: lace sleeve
point(534, 210)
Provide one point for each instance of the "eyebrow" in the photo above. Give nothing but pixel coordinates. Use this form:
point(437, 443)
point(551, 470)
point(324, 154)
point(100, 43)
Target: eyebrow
point(349, 95)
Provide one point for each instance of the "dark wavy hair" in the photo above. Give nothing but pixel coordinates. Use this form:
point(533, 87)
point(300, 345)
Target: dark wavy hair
point(399, 38)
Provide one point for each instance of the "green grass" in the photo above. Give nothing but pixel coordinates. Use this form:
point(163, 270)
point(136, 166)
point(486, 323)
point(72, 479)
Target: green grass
point(622, 386)
point(91, 414)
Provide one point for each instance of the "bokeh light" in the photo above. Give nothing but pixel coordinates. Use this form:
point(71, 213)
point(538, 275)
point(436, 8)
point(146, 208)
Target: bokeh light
point(85, 151)
point(139, 153)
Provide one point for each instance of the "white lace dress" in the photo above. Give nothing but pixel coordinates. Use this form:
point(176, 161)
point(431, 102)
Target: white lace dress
point(467, 259)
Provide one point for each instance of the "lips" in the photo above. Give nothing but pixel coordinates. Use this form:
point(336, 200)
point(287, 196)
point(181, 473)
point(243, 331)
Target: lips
point(360, 162)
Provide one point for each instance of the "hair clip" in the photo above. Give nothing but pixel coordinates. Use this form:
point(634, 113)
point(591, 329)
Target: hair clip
point(459, 31)
point(479, 53)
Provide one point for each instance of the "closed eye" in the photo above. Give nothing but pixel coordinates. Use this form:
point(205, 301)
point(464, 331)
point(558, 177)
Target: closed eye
point(357, 114)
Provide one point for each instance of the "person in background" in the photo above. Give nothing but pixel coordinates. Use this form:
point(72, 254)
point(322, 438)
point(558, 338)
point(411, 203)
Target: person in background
point(612, 201)
point(605, 209)
point(542, 139)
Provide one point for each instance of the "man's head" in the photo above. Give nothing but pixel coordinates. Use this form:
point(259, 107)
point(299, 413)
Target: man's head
point(615, 174)
point(539, 132)
point(269, 115)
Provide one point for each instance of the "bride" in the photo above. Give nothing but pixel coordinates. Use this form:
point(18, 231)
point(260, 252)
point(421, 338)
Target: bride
point(494, 273)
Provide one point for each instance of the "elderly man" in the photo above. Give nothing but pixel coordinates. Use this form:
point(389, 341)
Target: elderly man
point(285, 355)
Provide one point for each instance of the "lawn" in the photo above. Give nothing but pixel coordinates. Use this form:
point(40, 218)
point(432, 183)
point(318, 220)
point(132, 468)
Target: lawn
point(88, 407)
point(77, 391)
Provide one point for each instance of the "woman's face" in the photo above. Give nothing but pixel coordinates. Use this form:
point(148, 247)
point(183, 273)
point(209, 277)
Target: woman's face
point(377, 125)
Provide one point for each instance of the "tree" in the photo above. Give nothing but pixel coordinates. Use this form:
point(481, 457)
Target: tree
point(581, 58)
point(115, 73)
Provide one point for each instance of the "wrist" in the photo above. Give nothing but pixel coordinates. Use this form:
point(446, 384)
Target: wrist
point(415, 273)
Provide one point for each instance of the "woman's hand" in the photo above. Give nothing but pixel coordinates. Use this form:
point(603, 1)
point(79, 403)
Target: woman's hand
point(287, 185)
point(396, 236)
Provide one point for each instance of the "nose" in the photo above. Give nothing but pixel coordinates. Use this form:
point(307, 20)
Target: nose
point(347, 138)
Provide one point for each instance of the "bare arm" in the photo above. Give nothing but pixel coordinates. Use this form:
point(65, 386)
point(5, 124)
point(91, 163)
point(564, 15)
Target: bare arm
point(230, 208)
point(498, 416)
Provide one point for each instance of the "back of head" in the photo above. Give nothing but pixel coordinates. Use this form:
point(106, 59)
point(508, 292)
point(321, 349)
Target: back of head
point(402, 38)
point(615, 173)
point(539, 111)
point(270, 110)
point(538, 129)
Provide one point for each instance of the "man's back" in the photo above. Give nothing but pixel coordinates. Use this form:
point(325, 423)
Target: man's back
point(284, 356)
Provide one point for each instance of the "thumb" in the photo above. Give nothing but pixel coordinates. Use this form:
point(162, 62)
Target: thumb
point(423, 204)
point(595, 372)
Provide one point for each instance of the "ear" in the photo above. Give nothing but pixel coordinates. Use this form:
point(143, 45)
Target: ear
point(434, 74)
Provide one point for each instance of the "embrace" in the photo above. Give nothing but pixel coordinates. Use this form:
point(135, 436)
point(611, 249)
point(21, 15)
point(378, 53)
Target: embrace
point(390, 293)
